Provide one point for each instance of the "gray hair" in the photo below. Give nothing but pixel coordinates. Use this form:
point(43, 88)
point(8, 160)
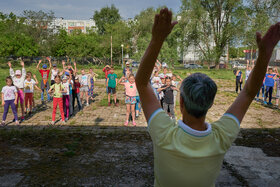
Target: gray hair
point(198, 92)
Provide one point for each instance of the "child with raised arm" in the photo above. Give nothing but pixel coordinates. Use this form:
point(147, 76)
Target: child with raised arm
point(130, 97)
point(67, 83)
point(190, 152)
point(277, 87)
point(112, 82)
point(9, 98)
point(18, 78)
point(84, 80)
point(45, 72)
point(29, 85)
point(57, 89)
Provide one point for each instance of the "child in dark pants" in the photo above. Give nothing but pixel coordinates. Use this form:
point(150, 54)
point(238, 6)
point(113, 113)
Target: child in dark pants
point(76, 93)
point(168, 98)
point(269, 84)
point(9, 98)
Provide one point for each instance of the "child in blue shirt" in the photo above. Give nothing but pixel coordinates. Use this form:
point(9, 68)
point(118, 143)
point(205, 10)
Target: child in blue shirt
point(269, 84)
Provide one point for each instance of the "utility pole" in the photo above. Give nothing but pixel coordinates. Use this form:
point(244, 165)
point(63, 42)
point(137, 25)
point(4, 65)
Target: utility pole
point(111, 51)
point(122, 55)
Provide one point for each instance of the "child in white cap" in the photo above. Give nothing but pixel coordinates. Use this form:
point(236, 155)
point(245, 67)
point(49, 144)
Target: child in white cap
point(18, 78)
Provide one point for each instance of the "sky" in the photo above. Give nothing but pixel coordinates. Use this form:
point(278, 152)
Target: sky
point(84, 9)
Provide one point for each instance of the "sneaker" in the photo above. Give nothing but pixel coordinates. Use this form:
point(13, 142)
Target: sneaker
point(264, 102)
point(29, 113)
point(63, 122)
point(14, 120)
point(52, 123)
point(116, 104)
point(43, 102)
point(3, 123)
point(269, 103)
point(134, 123)
point(87, 104)
point(22, 118)
point(17, 122)
point(109, 104)
point(126, 123)
point(66, 119)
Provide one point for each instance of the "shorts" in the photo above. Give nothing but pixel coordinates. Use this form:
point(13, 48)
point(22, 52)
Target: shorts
point(278, 94)
point(130, 100)
point(111, 90)
point(20, 96)
point(84, 89)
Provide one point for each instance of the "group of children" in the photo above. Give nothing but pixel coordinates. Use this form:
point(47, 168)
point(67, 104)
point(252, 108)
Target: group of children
point(271, 81)
point(165, 86)
point(66, 87)
point(132, 100)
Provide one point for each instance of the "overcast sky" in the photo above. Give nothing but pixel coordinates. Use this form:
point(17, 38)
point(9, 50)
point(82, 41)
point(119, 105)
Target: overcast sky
point(84, 9)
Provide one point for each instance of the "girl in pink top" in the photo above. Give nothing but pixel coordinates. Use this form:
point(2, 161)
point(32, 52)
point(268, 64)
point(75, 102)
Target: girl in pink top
point(130, 98)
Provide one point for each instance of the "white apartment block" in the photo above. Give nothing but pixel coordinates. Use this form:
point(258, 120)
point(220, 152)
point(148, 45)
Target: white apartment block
point(71, 25)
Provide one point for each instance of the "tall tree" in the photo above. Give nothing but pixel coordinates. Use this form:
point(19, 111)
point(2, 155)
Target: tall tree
point(211, 25)
point(107, 15)
point(41, 29)
point(13, 38)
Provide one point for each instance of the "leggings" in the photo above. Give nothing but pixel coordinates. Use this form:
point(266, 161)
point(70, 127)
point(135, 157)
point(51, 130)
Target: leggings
point(268, 93)
point(28, 99)
point(57, 101)
point(66, 105)
point(20, 96)
point(6, 109)
point(171, 108)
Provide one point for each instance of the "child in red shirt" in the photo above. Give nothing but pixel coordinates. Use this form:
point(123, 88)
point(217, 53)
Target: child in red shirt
point(45, 72)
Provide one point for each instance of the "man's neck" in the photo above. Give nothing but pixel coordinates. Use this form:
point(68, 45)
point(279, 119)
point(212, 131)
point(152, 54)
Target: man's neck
point(195, 123)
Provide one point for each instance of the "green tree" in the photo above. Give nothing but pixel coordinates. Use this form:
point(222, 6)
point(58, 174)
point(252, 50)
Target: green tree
point(107, 15)
point(13, 38)
point(40, 29)
point(210, 25)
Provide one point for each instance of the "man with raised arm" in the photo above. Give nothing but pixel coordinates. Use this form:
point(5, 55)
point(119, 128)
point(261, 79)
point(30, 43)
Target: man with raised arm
point(190, 152)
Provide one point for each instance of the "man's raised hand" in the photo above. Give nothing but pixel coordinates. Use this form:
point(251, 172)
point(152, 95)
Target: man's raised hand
point(267, 43)
point(163, 25)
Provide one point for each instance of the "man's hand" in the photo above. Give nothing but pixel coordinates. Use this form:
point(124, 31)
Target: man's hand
point(162, 25)
point(9, 64)
point(48, 58)
point(3, 103)
point(14, 102)
point(267, 43)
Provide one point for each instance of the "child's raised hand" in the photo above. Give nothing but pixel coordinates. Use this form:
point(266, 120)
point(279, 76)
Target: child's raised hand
point(22, 63)
point(9, 64)
point(40, 61)
point(162, 25)
point(14, 102)
point(267, 43)
point(63, 62)
point(34, 76)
